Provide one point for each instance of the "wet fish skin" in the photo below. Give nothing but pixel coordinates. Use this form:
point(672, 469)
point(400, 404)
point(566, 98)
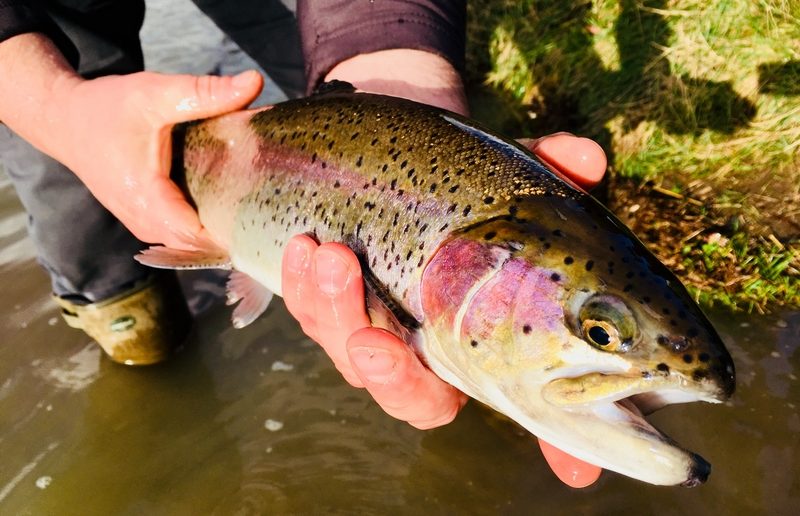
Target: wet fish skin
point(498, 264)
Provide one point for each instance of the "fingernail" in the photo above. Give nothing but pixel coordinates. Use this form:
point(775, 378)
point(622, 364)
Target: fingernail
point(376, 365)
point(332, 272)
point(297, 258)
point(243, 79)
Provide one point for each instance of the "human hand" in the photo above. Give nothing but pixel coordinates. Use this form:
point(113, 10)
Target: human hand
point(323, 289)
point(116, 136)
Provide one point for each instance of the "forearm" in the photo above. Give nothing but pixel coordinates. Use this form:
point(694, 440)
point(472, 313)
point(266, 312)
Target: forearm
point(413, 74)
point(33, 77)
point(409, 48)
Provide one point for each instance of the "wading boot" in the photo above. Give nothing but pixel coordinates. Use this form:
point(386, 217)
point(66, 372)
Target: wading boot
point(141, 326)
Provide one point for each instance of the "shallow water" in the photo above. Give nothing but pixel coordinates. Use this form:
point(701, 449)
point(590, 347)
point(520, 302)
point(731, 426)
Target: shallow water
point(258, 421)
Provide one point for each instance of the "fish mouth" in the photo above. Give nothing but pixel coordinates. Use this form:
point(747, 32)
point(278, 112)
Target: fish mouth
point(634, 409)
point(620, 403)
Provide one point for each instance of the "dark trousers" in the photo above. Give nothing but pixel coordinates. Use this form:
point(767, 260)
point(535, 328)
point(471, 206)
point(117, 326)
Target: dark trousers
point(86, 251)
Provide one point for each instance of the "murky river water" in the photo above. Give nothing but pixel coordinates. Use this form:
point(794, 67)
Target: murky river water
point(258, 421)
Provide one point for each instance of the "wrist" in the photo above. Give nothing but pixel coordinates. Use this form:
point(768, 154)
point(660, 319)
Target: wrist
point(35, 81)
point(414, 74)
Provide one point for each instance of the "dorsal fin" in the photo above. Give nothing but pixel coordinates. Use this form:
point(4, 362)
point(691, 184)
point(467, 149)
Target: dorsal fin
point(334, 86)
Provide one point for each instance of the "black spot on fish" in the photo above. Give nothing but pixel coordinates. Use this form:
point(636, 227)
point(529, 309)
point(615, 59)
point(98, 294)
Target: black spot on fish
point(490, 235)
point(526, 329)
point(453, 189)
point(374, 142)
point(355, 135)
point(555, 277)
point(568, 260)
point(704, 357)
point(559, 233)
point(467, 209)
point(404, 164)
point(699, 374)
point(359, 161)
point(488, 199)
point(687, 358)
point(432, 188)
point(589, 265)
point(473, 343)
point(336, 184)
point(663, 367)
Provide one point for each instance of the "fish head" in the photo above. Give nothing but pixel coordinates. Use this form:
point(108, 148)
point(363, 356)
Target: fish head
point(569, 326)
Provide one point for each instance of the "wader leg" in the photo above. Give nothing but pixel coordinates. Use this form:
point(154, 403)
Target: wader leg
point(136, 315)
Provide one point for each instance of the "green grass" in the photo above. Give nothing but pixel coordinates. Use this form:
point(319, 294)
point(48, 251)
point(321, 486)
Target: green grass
point(679, 92)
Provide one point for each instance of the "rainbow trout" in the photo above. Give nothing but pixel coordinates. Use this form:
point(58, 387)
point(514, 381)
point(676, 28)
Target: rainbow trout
point(511, 283)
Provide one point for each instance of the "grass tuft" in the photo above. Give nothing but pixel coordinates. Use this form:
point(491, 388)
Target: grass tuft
point(679, 93)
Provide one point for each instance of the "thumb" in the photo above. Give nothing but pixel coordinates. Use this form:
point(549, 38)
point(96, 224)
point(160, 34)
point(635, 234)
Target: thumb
point(189, 97)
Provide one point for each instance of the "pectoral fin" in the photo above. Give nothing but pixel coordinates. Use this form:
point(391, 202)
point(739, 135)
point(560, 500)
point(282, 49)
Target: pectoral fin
point(385, 312)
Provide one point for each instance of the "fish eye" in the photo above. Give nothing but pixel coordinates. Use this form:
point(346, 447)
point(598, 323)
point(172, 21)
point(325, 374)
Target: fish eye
point(598, 334)
point(607, 324)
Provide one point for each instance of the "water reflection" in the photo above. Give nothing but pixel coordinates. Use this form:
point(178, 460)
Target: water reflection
point(192, 436)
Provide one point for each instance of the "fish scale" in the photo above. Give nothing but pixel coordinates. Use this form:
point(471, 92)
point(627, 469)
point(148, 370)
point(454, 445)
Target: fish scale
point(511, 283)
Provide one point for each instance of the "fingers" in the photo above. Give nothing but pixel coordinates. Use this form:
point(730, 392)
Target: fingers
point(398, 381)
point(323, 289)
point(580, 159)
point(573, 472)
point(187, 97)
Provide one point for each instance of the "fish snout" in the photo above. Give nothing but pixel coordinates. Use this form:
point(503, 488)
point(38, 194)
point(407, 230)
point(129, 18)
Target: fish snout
point(709, 366)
